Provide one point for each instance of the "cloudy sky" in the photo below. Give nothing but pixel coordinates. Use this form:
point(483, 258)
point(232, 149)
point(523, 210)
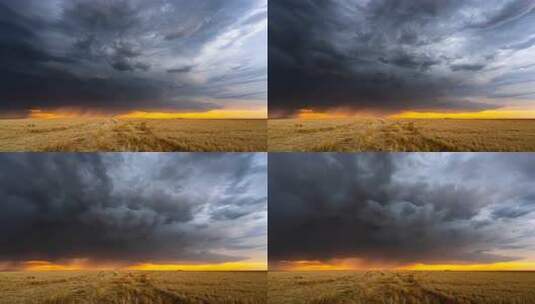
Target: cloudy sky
point(394, 56)
point(118, 56)
point(415, 211)
point(128, 210)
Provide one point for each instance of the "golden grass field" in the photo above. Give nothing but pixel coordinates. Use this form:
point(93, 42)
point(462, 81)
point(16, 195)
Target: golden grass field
point(404, 135)
point(161, 287)
point(137, 135)
point(401, 287)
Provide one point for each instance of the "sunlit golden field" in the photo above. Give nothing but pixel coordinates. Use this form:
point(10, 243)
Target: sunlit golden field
point(113, 134)
point(401, 287)
point(370, 134)
point(160, 287)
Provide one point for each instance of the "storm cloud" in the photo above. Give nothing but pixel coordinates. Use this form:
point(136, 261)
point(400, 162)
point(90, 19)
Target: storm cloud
point(123, 55)
point(125, 209)
point(401, 209)
point(389, 56)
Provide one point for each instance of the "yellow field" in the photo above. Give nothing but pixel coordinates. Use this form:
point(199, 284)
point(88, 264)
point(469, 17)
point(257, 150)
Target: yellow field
point(132, 287)
point(112, 134)
point(356, 135)
point(401, 287)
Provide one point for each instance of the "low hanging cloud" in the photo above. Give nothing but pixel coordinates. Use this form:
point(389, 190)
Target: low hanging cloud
point(126, 209)
point(114, 56)
point(401, 209)
point(389, 56)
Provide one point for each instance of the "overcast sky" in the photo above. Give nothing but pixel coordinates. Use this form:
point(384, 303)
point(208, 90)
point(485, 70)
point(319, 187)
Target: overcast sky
point(394, 210)
point(124, 55)
point(126, 209)
point(390, 56)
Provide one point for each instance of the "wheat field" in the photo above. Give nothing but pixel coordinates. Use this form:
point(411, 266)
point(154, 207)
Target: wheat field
point(160, 287)
point(403, 135)
point(135, 135)
point(339, 287)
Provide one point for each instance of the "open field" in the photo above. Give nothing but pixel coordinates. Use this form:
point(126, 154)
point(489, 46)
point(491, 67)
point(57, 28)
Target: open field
point(401, 287)
point(165, 287)
point(111, 134)
point(355, 135)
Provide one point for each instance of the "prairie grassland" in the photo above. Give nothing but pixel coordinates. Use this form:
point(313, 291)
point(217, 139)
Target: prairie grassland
point(136, 135)
point(401, 287)
point(404, 135)
point(166, 287)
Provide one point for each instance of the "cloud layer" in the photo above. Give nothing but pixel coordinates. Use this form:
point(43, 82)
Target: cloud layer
point(133, 208)
point(388, 56)
point(401, 209)
point(119, 55)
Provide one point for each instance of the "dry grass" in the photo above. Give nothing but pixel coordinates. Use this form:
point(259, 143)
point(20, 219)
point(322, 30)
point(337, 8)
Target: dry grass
point(356, 135)
point(137, 135)
point(133, 287)
point(401, 287)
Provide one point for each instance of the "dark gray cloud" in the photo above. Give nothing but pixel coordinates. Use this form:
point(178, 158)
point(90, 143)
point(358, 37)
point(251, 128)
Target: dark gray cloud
point(184, 69)
point(133, 208)
point(398, 209)
point(388, 56)
point(114, 55)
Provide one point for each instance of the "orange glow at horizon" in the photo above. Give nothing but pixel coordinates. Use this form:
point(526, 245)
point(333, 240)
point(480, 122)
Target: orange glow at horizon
point(233, 266)
point(504, 113)
point(359, 265)
point(335, 265)
point(213, 114)
point(488, 114)
point(311, 114)
point(39, 114)
point(82, 264)
point(50, 266)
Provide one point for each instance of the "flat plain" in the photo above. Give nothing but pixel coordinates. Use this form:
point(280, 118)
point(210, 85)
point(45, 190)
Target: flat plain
point(159, 287)
point(403, 135)
point(132, 135)
point(446, 287)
